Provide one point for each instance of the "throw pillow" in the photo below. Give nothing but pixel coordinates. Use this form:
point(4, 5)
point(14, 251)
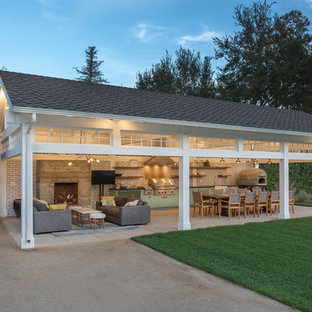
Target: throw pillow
point(40, 205)
point(120, 200)
point(107, 197)
point(140, 202)
point(56, 207)
point(108, 202)
point(132, 203)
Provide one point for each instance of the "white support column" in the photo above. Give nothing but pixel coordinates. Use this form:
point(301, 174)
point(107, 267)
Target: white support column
point(239, 145)
point(116, 136)
point(184, 186)
point(27, 235)
point(284, 184)
point(3, 203)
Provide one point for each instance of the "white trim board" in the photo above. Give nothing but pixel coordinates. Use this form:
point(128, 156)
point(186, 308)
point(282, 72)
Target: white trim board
point(55, 112)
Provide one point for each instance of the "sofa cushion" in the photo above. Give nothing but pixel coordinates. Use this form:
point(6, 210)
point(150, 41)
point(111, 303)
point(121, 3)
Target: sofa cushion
point(56, 207)
point(120, 200)
point(112, 210)
point(40, 205)
point(132, 203)
point(108, 202)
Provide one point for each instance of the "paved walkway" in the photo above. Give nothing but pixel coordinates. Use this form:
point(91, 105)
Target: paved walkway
point(113, 276)
point(161, 221)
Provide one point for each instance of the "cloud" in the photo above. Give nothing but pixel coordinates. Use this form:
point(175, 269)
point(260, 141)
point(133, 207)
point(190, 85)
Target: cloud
point(203, 37)
point(145, 32)
point(309, 2)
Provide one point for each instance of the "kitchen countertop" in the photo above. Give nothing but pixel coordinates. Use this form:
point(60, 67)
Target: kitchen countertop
point(142, 188)
point(128, 189)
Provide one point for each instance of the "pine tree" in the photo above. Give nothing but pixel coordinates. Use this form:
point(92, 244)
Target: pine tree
point(91, 71)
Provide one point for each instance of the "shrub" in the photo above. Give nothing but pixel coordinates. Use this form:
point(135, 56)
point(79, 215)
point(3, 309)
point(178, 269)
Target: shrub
point(302, 196)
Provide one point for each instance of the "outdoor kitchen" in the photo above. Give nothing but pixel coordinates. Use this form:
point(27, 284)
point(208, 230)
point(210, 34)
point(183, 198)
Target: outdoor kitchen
point(156, 179)
point(64, 178)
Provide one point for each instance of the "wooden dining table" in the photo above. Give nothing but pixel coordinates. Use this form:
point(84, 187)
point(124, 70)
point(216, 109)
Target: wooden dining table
point(218, 198)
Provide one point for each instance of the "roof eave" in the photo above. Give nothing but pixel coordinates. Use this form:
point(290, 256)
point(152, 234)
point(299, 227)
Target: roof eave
point(56, 112)
point(6, 94)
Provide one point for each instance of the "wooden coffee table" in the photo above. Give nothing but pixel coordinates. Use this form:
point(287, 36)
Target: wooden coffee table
point(80, 213)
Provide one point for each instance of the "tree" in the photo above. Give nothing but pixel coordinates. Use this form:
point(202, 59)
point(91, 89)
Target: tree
point(187, 75)
point(268, 59)
point(91, 71)
point(159, 78)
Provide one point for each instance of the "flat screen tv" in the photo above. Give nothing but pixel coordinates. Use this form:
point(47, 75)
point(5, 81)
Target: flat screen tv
point(103, 177)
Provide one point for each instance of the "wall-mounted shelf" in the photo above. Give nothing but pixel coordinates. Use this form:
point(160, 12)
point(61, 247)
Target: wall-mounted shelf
point(191, 176)
point(119, 167)
point(224, 175)
point(220, 167)
point(129, 177)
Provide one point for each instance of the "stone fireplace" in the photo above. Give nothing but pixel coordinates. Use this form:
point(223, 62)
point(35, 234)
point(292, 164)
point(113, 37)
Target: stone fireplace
point(66, 193)
point(56, 174)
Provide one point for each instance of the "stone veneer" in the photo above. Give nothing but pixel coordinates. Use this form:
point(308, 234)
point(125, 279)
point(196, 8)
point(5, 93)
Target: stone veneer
point(48, 172)
point(58, 171)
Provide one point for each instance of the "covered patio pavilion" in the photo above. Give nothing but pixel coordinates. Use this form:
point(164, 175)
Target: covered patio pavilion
point(41, 115)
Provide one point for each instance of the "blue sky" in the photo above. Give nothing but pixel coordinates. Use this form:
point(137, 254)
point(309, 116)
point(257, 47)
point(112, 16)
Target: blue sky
point(48, 37)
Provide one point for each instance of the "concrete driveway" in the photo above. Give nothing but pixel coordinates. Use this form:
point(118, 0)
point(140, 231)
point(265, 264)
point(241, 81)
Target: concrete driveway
point(113, 276)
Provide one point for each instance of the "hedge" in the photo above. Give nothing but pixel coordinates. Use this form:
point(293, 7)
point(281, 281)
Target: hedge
point(300, 176)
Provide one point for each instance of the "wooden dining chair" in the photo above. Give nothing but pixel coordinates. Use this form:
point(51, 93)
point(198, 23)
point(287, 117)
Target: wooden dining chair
point(274, 202)
point(292, 199)
point(243, 192)
point(262, 202)
point(220, 190)
point(196, 203)
point(234, 203)
point(249, 202)
point(208, 204)
point(201, 204)
point(205, 192)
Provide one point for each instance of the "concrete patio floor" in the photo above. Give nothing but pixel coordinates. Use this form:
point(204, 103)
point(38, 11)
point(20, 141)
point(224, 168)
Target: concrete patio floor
point(161, 221)
point(116, 276)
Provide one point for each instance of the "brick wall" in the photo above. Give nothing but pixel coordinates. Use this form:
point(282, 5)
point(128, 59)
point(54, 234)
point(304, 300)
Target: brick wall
point(13, 186)
point(13, 183)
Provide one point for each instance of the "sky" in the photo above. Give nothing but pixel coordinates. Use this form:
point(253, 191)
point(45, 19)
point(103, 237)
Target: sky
point(49, 37)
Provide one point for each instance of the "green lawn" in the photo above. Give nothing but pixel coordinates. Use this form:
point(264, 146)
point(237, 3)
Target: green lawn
point(306, 204)
point(273, 258)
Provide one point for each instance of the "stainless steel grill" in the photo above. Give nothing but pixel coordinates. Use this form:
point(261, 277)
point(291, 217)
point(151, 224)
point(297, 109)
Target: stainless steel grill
point(162, 186)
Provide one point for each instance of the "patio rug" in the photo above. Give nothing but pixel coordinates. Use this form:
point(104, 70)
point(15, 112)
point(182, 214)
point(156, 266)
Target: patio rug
point(109, 227)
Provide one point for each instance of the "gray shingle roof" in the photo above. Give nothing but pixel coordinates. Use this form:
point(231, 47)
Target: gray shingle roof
point(34, 91)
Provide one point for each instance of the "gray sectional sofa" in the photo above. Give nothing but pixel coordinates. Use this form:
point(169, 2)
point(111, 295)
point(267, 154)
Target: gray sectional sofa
point(46, 221)
point(126, 215)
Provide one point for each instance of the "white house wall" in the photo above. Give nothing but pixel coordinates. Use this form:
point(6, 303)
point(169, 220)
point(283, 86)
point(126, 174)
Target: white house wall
point(3, 190)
